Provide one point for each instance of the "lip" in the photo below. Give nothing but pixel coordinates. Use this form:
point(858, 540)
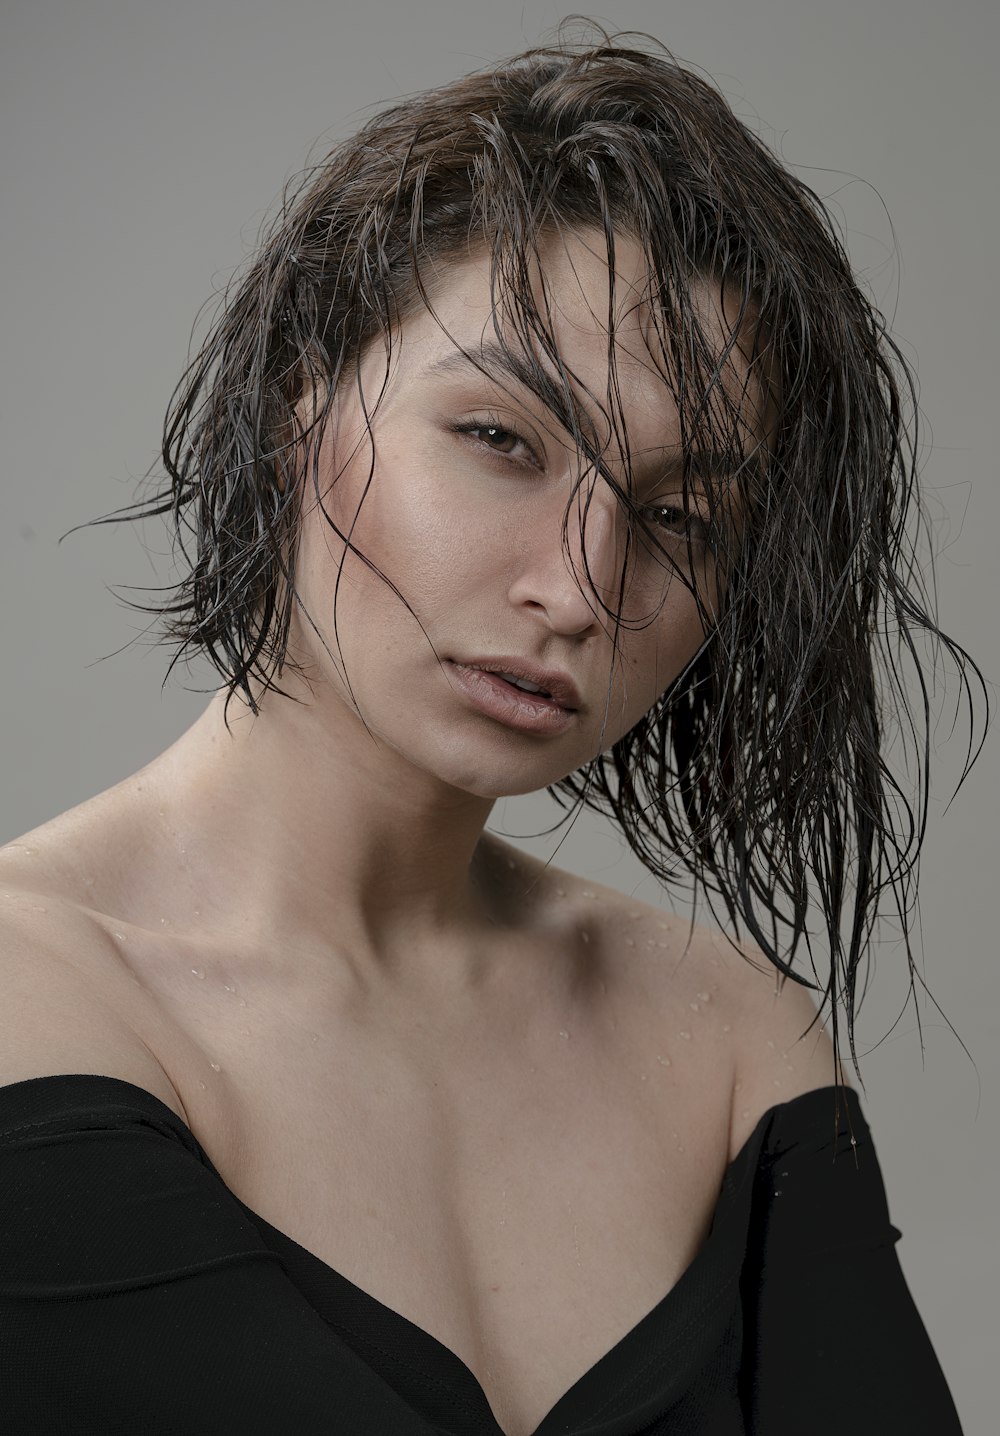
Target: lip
point(557, 684)
point(493, 696)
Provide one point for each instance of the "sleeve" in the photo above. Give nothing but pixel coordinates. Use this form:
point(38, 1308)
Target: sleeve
point(137, 1298)
point(833, 1341)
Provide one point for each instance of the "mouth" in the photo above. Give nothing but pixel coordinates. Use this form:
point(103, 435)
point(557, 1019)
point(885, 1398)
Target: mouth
point(535, 695)
point(499, 698)
point(527, 676)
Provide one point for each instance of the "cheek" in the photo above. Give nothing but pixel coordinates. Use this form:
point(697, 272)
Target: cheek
point(661, 651)
point(411, 530)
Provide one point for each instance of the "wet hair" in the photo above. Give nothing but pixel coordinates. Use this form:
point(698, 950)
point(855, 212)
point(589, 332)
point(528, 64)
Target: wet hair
point(761, 770)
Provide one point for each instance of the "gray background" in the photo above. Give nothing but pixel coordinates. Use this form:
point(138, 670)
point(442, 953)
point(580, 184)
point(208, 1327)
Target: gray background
point(142, 145)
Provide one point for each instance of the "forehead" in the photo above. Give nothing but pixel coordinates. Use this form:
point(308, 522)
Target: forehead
point(571, 290)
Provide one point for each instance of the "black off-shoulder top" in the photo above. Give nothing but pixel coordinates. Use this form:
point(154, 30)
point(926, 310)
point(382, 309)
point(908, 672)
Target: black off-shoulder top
point(140, 1296)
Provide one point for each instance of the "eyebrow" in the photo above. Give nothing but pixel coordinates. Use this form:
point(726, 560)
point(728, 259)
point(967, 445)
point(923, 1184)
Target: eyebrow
point(666, 464)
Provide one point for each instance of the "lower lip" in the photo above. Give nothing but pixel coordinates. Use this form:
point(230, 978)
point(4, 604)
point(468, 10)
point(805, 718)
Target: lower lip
point(494, 696)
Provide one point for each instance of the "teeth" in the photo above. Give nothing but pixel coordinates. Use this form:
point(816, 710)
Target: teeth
point(522, 683)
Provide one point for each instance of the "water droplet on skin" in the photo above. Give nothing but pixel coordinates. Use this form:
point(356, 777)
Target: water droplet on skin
point(746, 1112)
point(215, 1067)
point(197, 912)
point(770, 1043)
point(198, 971)
point(634, 915)
point(705, 996)
point(629, 942)
point(681, 1149)
point(120, 936)
point(694, 1006)
point(202, 1085)
point(587, 893)
point(585, 937)
point(563, 1033)
point(560, 892)
point(686, 1036)
point(228, 987)
point(726, 1027)
point(777, 1191)
point(36, 908)
point(643, 1078)
point(776, 1082)
point(664, 1060)
point(245, 1031)
point(243, 1002)
point(162, 920)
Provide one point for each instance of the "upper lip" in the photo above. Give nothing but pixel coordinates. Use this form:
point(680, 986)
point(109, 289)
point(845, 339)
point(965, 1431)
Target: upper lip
point(557, 684)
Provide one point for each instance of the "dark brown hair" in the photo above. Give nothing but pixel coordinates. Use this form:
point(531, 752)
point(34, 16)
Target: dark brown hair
point(762, 768)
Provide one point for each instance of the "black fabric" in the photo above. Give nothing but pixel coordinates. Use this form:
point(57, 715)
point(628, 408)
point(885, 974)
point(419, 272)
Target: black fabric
point(139, 1295)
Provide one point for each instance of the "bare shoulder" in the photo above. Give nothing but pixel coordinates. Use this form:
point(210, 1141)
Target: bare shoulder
point(782, 1047)
point(766, 1045)
point(62, 1003)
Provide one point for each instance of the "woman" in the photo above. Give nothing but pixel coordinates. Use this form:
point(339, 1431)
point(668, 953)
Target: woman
point(547, 442)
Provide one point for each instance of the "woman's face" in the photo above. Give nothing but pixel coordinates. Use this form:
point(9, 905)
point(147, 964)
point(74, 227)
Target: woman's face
point(470, 478)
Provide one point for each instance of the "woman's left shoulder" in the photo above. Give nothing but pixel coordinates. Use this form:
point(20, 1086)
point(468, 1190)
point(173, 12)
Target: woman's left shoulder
point(775, 1044)
point(782, 1048)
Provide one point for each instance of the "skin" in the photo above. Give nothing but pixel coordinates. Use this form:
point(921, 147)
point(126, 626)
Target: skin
point(311, 833)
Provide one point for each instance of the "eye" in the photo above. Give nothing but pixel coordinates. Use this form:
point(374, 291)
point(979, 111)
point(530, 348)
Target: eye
point(676, 522)
point(497, 434)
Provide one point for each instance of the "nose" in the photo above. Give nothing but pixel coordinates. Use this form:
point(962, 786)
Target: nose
point(553, 578)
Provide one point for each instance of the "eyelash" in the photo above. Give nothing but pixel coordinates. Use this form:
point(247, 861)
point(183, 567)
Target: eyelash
point(698, 527)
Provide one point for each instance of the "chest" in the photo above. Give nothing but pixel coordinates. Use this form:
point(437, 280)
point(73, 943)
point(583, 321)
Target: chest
point(524, 1202)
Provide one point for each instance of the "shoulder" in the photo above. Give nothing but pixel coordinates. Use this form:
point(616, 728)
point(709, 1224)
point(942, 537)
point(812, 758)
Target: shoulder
point(781, 1046)
point(64, 1003)
point(767, 1045)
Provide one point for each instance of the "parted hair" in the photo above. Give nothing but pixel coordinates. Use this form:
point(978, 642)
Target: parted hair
point(761, 773)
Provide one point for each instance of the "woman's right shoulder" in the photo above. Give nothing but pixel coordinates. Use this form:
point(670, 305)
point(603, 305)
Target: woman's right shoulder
point(62, 1005)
